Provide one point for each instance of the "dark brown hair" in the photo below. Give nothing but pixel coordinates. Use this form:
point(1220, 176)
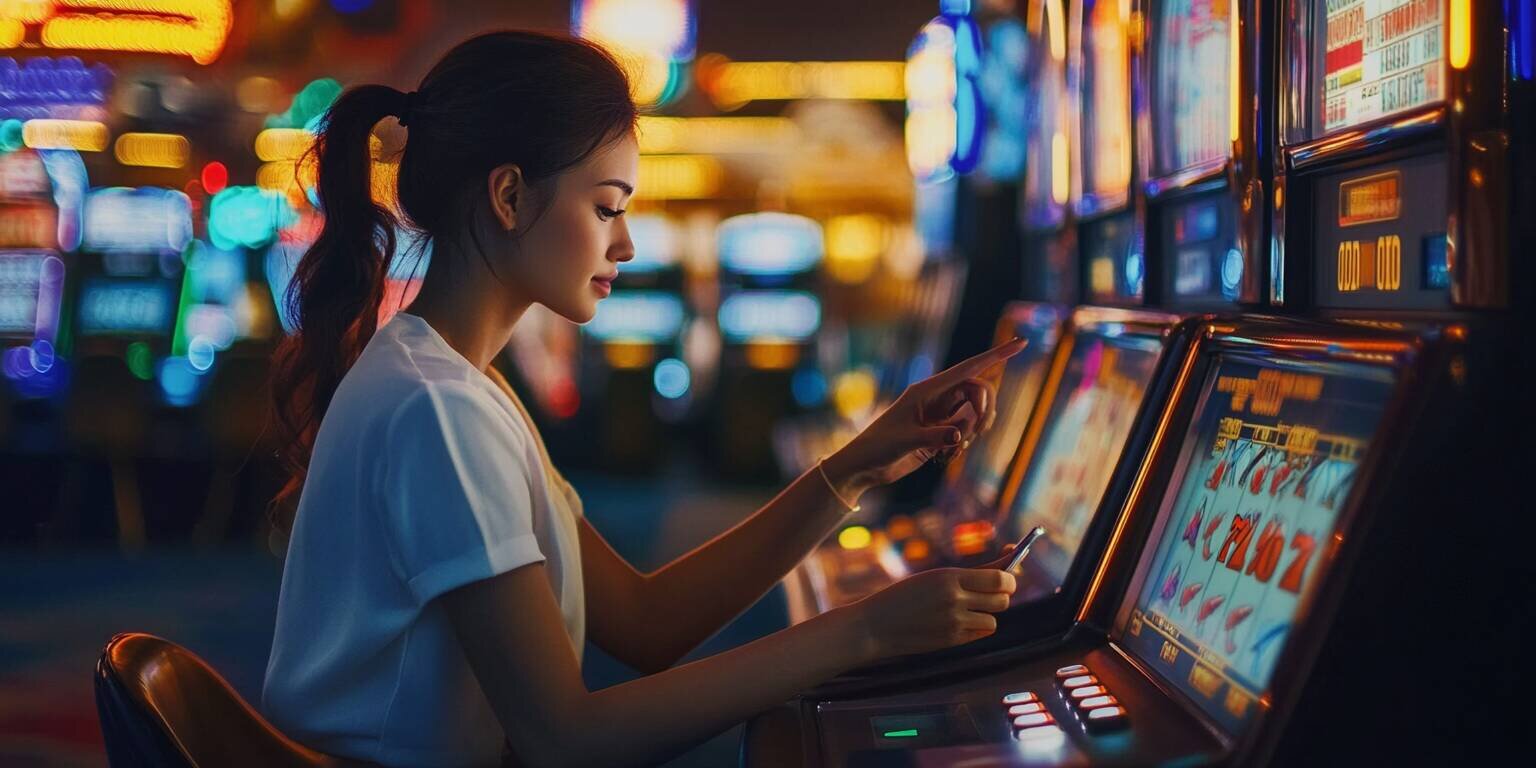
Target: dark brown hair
point(543, 102)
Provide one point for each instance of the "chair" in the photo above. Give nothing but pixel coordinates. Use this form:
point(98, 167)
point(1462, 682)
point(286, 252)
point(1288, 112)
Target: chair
point(161, 705)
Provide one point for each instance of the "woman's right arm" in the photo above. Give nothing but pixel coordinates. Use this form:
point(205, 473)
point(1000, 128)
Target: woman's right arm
point(513, 636)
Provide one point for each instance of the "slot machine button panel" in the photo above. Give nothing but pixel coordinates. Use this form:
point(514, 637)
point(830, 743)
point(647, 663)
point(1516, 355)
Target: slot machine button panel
point(1071, 671)
point(1021, 697)
point(1033, 720)
point(1096, 702)
point(1039, 732)
point(1087, 692)
point(1025, 709)
point(1105, 718)
point(1079, 681)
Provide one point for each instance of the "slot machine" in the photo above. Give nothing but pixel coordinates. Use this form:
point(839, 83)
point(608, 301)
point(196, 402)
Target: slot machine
point(38, 226)
point(633, 373)
point(768, 317)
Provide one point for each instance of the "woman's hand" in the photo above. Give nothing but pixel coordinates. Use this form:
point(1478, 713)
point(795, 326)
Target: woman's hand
point(930, 610)
point(938, 415)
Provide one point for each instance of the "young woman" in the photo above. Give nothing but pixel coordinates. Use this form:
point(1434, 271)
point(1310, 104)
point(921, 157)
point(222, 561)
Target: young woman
point(440, 579)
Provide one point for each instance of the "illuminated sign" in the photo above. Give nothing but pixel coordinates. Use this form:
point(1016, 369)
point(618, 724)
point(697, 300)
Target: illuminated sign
point(194, 28)
point(679, 177)
point(149, 219)
point(152, 150)
point(31, 284)
point(79, 135)
point(58, 88)
point(137, 306)
point(731, 84)
point(945, 120)
point(1376, 265)
point(789, 315)
point(1373, 198)
point(1381, 58)
point(769, 244)
point(646, 316)
point(716, 135)
point(1270, 389)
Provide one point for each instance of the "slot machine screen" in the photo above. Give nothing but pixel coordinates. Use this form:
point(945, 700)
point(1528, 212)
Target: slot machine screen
point(987, 459)
point(1106, 127)
point(1237, 552)
point(1045, 166)
point(29, 280)
point(1090, 419)
point(127, 306)
point(1193, 46)
point(651, 316)
point(1377, 58)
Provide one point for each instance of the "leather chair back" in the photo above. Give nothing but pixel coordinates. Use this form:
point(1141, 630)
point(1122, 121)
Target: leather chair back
point(161, 705)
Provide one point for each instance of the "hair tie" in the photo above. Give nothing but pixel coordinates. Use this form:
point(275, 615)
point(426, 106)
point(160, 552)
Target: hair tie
point(407, 107)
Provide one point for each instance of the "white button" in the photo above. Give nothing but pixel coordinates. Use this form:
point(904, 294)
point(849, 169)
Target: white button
point(1072, 671)
point(1080, 681)
point(1022, 697)
point(1030, 721)
point(1025, 709)
point(1088, 691)
point(1096, 701)
point(1039, 731)
point(1106, 713)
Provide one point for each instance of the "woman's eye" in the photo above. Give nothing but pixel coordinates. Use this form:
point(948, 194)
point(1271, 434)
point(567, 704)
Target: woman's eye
point(605, 213)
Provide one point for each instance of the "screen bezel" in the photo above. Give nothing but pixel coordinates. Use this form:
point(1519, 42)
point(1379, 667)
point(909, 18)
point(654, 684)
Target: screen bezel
point(1163, 178)
point(1206, 373)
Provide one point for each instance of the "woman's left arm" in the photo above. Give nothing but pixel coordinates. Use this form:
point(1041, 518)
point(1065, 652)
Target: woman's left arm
point(650, 621)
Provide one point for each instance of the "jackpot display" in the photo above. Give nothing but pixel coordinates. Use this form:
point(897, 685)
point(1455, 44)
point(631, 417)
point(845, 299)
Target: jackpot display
point(1266, 467)
point(1086, 429)
point(1379, 58)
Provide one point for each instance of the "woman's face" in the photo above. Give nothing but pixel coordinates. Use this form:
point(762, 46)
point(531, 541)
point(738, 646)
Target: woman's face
point(571, 253)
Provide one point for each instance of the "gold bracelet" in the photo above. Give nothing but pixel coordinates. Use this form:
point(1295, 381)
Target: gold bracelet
point(852, 508)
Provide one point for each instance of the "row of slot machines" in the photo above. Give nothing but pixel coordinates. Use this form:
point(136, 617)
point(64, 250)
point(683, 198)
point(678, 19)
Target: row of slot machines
point(1259, 448)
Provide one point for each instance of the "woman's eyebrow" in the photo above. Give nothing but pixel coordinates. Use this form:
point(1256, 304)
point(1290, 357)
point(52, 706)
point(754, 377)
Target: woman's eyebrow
point(623, 185)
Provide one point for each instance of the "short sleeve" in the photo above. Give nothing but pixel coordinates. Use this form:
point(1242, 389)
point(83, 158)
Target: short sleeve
point(457, 503)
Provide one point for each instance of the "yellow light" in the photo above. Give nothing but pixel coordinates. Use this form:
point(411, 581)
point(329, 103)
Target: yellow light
point(679, 177)
point(258, 94)
point(15, 15)
point(1461, 33)
point(930, 139)
point(79, 135)
point(1059, 179)
point(193, 28)
point(643, 35)
point(854, 393)
point(1234, 73)
point(732, 84)
point(772, 355)
point(853, 246)
point(716, 135)
point(628, 355)
point(854, 537)
point(275, 144)
point(1056, 18)
point(152, 150)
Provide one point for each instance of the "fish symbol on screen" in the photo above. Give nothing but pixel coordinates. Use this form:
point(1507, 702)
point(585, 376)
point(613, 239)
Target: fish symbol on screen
point(1215, 479)
point(1192, 531)
point(1170, 585)
point(1236, 617)
point(1189, 594)
point(1279, 479)
point(1209, 607)
point(1210, 530)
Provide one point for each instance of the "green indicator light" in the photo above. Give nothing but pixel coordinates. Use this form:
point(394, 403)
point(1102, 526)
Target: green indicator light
point(903, 734)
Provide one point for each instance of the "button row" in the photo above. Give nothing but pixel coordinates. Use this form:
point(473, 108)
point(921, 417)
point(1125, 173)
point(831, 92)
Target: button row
point(1090, 699)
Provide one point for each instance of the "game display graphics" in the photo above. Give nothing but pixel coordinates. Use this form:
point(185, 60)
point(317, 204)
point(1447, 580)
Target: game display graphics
point(1269, 463)
point(1381, 57)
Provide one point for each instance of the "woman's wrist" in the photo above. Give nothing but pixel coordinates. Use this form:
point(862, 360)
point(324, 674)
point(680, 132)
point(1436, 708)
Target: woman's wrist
point(850, 635)
point(848, 481)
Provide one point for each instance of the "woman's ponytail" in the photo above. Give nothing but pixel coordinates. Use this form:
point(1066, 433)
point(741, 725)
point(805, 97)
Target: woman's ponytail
point(338, 285)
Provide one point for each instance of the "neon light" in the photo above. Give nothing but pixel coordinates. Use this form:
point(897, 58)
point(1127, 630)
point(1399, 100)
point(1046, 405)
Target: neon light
point(716, 135)
point(672, 378)
point(680, 177)
point(247, 216)
point(788, 315)
point(902, 734)
point(214, 178)
point(1234, 73)
point(11, 138)
point(45, 87)
point(66, 171)
point(194, 28)
point(769, 244)
point(857, 537)
point(732, 84)
point(1522, 38)
point(854, 243)
point(180, 381)
point(643, 316)
point(650, 38)
point(152, 150)
point(1461, 33)
point(1059, 179)
point(80, 135)
point(932, 124)
point(283, 144)
point(146, 219)
point(141, 362)
point(308, 105)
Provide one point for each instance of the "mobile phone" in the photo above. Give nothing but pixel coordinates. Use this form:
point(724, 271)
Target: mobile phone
point(1022, 550)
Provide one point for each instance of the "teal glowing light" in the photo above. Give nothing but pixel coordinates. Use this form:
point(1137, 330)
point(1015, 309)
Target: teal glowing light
point(905, 733)
point(247, 217)
point(10, 136)
point(672, 378)
point(308, 104)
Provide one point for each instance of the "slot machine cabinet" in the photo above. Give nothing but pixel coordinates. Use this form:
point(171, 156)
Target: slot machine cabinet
point(1051, 271)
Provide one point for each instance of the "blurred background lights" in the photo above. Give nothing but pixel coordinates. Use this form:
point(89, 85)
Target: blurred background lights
point(247, 216)
point(672, 378)
point(152, 150)
point(653, 40)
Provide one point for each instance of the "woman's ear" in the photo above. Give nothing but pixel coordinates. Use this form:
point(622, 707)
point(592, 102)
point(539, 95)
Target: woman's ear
point(505, 185)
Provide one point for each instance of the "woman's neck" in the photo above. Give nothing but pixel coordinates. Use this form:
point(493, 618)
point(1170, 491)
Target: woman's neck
point(468, 306)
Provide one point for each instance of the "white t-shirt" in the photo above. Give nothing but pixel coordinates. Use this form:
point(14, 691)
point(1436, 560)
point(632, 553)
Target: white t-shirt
point(425, 477)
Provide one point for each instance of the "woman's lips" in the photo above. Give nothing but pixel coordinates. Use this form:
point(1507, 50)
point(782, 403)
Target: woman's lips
point(604, 285)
